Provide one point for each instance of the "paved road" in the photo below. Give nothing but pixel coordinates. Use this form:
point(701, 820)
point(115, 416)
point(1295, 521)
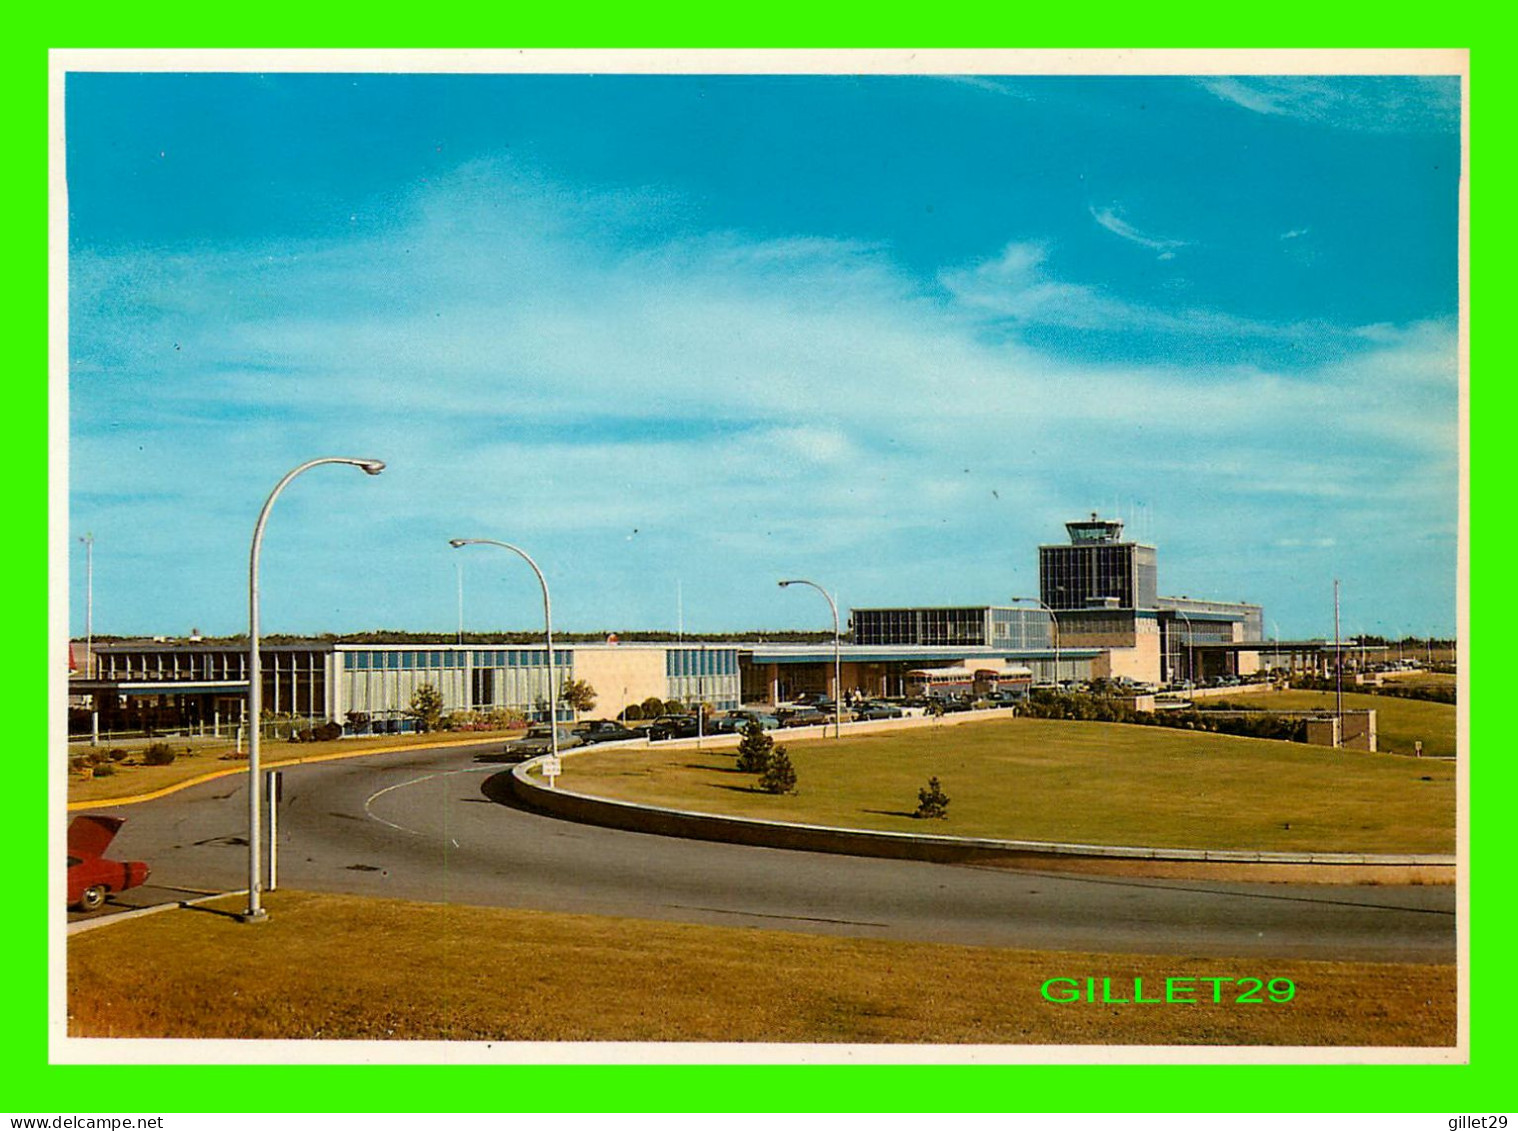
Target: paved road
point(437, 826)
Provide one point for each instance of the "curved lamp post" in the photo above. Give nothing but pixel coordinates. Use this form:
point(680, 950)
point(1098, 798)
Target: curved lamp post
point(837, 654)
point(255, 913)
point(553, 687)
point(1055, 621)
point(1190, 650)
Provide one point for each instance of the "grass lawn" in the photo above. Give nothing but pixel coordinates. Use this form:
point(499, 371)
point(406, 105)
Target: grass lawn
point(1422, 679)
point(1399, 722)
point(1044, 779)
point(344, 968)
point(196, 757)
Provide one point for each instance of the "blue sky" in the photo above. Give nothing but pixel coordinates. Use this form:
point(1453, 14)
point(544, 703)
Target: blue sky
point(694, 334)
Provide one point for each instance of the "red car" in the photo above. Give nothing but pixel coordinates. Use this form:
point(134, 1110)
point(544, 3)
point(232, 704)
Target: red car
point(91, 876)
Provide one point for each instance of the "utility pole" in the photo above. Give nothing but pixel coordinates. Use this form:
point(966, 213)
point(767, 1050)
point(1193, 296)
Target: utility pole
point(89, 633)
point(1338, 666)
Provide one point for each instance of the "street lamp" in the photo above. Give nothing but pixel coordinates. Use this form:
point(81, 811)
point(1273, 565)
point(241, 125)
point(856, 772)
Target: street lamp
point(1055, 621)
point(553, 687)
point(1190, 651)
point(255, 913)
point(837, 654)
point(89, 633)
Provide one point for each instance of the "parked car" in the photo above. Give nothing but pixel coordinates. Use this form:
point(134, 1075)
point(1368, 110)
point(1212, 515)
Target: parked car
point(735, 721)
point(876, 710)
point(829, 708)
point(605, 730)
point(801, 717)
point(673, 726)
point(537, 741)
point(91, 877)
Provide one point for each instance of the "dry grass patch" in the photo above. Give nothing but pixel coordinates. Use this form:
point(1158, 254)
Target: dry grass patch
point(339, 967)
point(1058, 780)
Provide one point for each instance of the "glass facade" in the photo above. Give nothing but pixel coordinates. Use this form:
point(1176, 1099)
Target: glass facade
point(942, 627)
point(381, 681)
point(704, 675)
point(1076, 577)
point(1021, 628)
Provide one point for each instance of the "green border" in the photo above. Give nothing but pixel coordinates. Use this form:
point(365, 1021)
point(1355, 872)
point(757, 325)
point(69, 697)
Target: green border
point(34, 1086)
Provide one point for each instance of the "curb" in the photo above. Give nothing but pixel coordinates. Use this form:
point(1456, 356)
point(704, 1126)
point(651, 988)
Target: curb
point(636, 817)
point(80, 926)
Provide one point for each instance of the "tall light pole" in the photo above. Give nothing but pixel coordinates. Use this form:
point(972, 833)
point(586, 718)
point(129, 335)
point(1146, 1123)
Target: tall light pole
point(255, 913)
point(837, 653)
point(553, 687)
point(1338, 663)
point(1190, 652)
point(89, 633)
point(1053, 620)
point(89, 601)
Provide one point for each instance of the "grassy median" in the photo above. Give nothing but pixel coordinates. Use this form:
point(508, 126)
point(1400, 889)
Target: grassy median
point(344, 968)
point(1041, 779)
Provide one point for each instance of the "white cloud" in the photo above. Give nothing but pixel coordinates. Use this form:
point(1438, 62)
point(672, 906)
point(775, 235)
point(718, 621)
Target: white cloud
point(1111, 219)
point(550, 366)
point(1374, 104)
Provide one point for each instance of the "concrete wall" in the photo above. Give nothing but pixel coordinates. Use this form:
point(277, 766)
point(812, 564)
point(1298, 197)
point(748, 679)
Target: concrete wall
point(622, 675)
point(1140, 663)
point(1359, 731)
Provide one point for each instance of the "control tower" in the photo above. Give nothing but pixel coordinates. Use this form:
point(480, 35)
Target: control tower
point(1097, 570)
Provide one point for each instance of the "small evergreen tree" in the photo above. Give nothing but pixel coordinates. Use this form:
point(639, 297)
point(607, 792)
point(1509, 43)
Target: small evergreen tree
point(754, 749)
point(426, 707)
point(779, 775)
point(932, 802)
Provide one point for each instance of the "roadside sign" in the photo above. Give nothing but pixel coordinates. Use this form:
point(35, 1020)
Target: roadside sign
point(552, 767)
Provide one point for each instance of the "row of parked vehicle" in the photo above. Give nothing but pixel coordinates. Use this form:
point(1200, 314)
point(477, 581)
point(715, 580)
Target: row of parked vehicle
point(539, 739)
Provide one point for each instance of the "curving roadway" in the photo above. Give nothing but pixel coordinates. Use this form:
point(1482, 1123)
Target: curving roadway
point(436, 826)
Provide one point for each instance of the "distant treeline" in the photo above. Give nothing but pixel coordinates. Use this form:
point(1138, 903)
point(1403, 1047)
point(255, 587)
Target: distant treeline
point(528, 636)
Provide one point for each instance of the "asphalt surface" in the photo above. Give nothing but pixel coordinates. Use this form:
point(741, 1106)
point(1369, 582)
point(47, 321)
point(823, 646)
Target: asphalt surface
point(437, 826)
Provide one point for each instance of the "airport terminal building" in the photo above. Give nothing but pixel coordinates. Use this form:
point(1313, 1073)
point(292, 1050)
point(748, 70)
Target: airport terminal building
point(1098, 615)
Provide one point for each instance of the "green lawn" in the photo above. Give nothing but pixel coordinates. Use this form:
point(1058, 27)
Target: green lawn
point(1038, 779)
point(1399, 722)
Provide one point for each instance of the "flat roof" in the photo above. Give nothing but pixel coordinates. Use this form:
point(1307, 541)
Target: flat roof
point(156, 686)
point(905, 653)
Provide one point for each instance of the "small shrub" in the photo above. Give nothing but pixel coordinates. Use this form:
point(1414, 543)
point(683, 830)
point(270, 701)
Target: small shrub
point(673, 707)
point(104, 770)
point(653, 707)
point(754, 749)
point(503, 718)
point(779, 775)
point(79, 763)
point(632, 713)
point(158, 754)
point(932, 801)
point(329, 731)
point(116, 754)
